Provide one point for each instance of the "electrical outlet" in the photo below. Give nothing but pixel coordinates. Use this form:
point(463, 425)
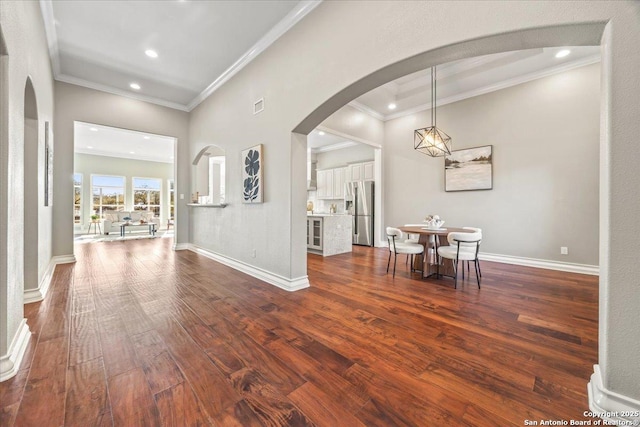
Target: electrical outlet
point(181, 196)
point(253, 253)
point(564, 250)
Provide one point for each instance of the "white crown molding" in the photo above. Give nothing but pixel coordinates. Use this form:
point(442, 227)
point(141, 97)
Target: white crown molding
point(142, 157)
point(35, 295)
point(370, 111)
point(333, 147)
point(302, 9)
point(610, 405)
point(347, 136)
point(592, 270)
point(46, 8)
point(498, 86)
point(10, 362)
point(104, 88)
point(290, 285)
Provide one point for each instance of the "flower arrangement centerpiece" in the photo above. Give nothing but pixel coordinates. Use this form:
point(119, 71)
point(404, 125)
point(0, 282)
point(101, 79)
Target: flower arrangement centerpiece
point(433, 221)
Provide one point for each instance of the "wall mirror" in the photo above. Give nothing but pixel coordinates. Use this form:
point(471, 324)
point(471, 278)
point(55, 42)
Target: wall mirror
point(209, 176)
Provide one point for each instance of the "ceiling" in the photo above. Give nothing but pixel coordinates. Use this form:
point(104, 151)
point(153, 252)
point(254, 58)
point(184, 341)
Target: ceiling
point(114, 142)
point(470, 77)
point(200, 44)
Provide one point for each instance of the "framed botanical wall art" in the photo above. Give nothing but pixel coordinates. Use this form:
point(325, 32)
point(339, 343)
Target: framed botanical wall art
point(469, 169)
point(252, 170)
point(48, 166)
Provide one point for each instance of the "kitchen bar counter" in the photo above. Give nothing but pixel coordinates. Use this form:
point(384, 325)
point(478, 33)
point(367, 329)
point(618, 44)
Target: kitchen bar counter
point(329, 234)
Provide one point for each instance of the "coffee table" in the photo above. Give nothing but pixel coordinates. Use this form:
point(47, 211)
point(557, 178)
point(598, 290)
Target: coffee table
point(152, 227)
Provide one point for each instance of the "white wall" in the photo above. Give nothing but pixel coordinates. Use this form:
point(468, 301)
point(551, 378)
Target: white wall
point(88, 165)
point(545, 137)
point(342, 50)
point(75, 103)
point(27, 58)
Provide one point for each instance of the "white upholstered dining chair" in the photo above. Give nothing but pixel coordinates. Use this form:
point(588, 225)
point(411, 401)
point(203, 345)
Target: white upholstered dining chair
point(397, 246)
point(463, 246)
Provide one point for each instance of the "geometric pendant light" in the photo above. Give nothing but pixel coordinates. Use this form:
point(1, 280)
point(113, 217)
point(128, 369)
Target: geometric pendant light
point(431, 140)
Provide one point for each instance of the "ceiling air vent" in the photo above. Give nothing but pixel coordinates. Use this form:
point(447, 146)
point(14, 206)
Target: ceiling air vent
point(258, 106)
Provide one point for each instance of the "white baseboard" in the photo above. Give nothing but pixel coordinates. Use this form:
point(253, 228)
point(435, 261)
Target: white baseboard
point(181, 246)
point(593, 270)
point(608, 404)
point(35, 295)
point(10, 362)
point(264, 275)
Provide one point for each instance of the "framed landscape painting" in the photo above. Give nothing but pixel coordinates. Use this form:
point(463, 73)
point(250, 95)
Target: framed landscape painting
point(252, 167)
point(469, 169)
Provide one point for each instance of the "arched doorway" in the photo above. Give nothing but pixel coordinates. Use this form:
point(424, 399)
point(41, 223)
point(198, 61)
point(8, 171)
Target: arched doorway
point(32, 174)
point(581, 34)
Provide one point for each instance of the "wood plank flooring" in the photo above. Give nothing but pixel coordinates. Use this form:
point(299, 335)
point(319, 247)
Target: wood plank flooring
point(136, 334)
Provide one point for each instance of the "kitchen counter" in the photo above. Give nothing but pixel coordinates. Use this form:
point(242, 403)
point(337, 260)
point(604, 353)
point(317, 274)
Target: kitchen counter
point(329, 234)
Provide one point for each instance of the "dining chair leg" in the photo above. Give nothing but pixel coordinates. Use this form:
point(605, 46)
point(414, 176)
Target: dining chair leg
point(462, 270)
point(411, 262)
point(389, 262)
point(455, 273)
point(477, 266)
point(395, 261)
point(478, 263)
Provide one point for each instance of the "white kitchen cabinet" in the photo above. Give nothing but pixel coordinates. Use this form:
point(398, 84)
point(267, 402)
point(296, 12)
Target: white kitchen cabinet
point(331, 183)
point(361, 172)
point(325, 184)
point(314, 233)
point(339, 175)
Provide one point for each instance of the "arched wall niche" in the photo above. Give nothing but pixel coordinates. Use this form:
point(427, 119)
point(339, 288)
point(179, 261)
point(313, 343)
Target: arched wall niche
point(209, 175)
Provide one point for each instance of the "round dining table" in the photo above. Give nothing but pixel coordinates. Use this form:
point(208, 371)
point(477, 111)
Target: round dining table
point(428, 263)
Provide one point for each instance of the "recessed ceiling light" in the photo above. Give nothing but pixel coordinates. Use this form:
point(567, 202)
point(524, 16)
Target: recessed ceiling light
point(320, 133)
point(391, 106)
point(93, 129)
point(147, 137)
point(563, 53)
point(171, 157)
point(135, 86)
point(89, 147)
point(132, 152)
point(151, 53)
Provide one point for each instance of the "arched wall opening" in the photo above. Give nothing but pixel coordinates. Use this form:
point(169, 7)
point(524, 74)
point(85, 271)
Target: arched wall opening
point(587, 34)
point(32, 178)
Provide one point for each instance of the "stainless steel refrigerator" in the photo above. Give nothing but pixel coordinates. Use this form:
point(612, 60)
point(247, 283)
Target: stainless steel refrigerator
point(359, 203)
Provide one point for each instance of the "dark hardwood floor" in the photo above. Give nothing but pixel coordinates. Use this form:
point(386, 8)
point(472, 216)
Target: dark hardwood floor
point(136, 334)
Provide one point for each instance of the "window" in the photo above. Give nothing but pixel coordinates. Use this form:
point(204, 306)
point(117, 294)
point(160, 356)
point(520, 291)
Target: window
point(77, 198)
point(172, 196)
point(146, 195)
point(108, 193)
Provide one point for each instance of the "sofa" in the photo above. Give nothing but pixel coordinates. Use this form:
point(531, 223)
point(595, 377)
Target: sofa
point(113, 220)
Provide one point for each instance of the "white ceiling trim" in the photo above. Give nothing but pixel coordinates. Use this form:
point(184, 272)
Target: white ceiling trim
point(301, 10)
point(363, 108)
point(109, 89)
point(497, 86)
point(46, 8)
point(333, 147)
point(120, 155)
